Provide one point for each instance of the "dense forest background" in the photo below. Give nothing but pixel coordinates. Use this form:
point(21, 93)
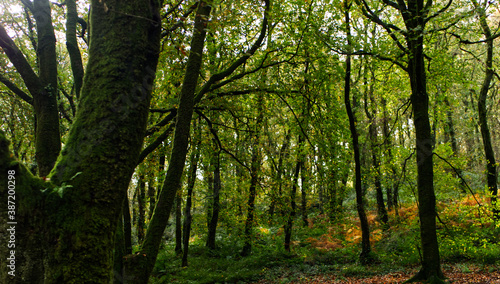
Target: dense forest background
point(284, 139)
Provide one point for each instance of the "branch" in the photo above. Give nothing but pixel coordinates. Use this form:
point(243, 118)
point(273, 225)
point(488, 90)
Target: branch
point(243, 74)
point(465, 41)
point(180, 22)
point(427, 6)
point(250, 91)
point(25, 97)
point(216, 137)
point(31, 80)
point(240, 61)
point(28, 4)
point(390, 28)
point(297, 119)
point(457, 172)
point(163, 122)
point(151, 147)
point(70, 100)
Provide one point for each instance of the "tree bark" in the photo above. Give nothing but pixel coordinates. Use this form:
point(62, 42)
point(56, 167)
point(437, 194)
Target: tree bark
point(293, 206)
point(141, 202)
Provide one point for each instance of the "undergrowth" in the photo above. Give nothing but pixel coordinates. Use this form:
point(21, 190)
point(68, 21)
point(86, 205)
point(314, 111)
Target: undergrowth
point(467, 237)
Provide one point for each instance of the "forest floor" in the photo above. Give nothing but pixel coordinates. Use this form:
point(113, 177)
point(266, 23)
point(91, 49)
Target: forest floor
point(457, 274)
point(327, 251)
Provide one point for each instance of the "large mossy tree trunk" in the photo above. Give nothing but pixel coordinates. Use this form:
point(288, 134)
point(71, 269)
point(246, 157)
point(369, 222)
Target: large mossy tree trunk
point(138, 267)
point(77, 212)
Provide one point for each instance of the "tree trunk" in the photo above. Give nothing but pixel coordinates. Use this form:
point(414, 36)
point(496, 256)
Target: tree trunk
point(72, 46)
point(491, 167)
point(215, 206)
point(178, 223)
point(254, 178)
point(138, 267)
point(293, 206)
point(415, 23)
point(372, 133)
point(360, 205)
point(141, 202)
point(193, 161)
point(252, 193)
point(303, 200)
point(277, 196)
point(390, 187)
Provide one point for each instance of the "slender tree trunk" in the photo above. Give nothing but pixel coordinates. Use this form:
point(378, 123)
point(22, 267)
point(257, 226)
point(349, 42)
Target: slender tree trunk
point(254, 178)
point(193, 161)
point(491, 167)
point(151, 197)
point(47, 136)
point(303, 201)
point(72, 46)
point(372, 133)
point(178, 223)
point(141, 200)
point(215, 206)
point(388, 149)
point(138, 267)
point(360, 205)
point(247, 234)
point(293, 206)
point(276, 197)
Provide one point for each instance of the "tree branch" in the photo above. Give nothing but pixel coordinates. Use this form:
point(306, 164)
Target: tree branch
point(22, 65)
point(25, 97)
point(151, 147)
point(240, 61)
point(163, 122)
point(216, 137)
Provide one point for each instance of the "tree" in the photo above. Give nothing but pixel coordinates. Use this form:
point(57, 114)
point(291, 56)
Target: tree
point(364, 256)
point(491, 170)
point(42, 87)
point(416, 14)
point(76, 212)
